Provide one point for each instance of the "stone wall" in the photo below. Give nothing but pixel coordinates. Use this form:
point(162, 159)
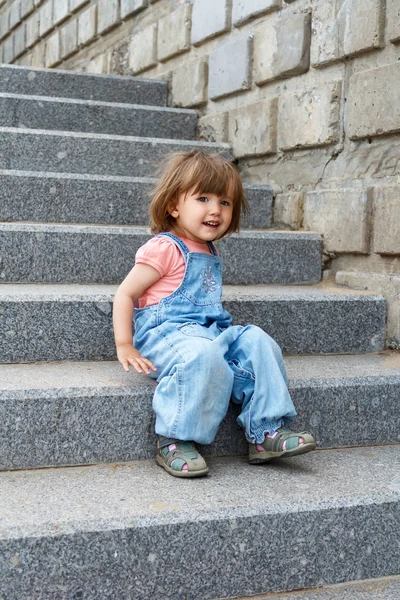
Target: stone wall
point(306, 91)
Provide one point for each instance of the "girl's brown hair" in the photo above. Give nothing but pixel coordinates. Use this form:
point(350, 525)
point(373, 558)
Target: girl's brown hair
point(206, 173)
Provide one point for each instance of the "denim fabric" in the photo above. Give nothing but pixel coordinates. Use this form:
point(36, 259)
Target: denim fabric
point(203, 361)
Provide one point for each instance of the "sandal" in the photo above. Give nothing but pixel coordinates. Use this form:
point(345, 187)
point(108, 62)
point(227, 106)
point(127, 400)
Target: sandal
point(282, 444)
point(180, 459)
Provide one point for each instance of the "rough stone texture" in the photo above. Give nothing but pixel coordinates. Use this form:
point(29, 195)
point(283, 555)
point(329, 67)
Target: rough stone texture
point(19, 41)
point(66, 322)
point(174, 33)
point(87, 25)
point(143, 49)
point(90, 254)
point(209, 19)
point(39, 112)
point(288, 210)
point(107, 416)
point(213, 128)
point(260, 198)
point(32, 30)
point(311, 118)
point(15, 13)
point(95, 153)
point(230, 67)
point(131, 7)
point(361, 26)
point(386, 239)
point(67, 84)
point(389, 286)
point(99, 64)
point(27, 6)
point(342, 216)
point(252, 129)
point(53, 49)
point(8, 49)
point(76, 4)
point(60, 11)
point(324, 41)
point(109, 528)
point(393, 20)
point(69, 38)
point(108, 15)
point(282, 47)
point(189, 83)
point(4, 23)
point(46, 17)
point(372, 107)
point(243, 10)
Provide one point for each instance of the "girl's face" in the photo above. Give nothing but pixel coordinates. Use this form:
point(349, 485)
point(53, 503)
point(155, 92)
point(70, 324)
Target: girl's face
point(202, 217)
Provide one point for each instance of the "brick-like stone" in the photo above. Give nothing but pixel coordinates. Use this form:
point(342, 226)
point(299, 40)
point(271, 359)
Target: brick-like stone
point(143, 50)
point(38, 56)
point(60, 11)
point(288, 210)
point(77, 4)
point(108, 15)
point(342, 216)
point(32, 30)
point(252, 129)
point(99, 64)
point(15, 13)
point(46, 18)
point(373, 106)
point(19, 41)
point(53, 55)
point(131, 7)
point(27, 6)
point(244, 10)
point(209, 19)
point(282, 47)
point(87, 25)
point(362, 24)
point(393, 20)
point(69, 38)
point(8, 49)
point(386, 238)
point(213, 128)
point(4, 23)
point(174, 33)
point(325, 40)
point(189, 83)
point(230, 67)
point(311, 118)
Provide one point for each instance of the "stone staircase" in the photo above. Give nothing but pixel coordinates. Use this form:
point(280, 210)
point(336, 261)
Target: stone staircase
point(77, 155)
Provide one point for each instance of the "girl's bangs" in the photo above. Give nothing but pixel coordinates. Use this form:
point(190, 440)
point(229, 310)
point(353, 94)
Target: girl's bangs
point(219, 181)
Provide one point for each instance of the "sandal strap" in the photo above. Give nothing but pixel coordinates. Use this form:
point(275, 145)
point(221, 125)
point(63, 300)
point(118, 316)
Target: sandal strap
point(282, 436)
point(164, 441)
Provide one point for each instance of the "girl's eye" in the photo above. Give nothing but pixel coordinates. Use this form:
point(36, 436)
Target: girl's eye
point(225, 203)
point(203, 199)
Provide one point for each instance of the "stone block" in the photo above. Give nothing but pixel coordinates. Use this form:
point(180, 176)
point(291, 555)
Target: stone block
point(386, 238)
point(108, 15)
point(76, 4)
point(373, 106)
point(87, 25)
point(174, 33)
point(282, 47)
point(131, 7)
point(230, 67)
point(143, 49)
point(32, 30)
point(209, 19)
point(38, 56)
point(27, 6)
point(361, 26)
point(69, 38)
point(8, 49)
point(53, 50)
point(46, 18)
point(252, 129)
point(342, 216)
point(4, 23)
point(393, 20)
point(288, 210)
point(19, 41)
point(15, 14)
point(325, 41)
point(311, 118)
point(189, 83)
point(244, 10)
point(98, 65)
point(213, 128)
point(60, 11)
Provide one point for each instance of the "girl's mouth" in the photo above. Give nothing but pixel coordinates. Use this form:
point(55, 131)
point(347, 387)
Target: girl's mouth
point(212, 224)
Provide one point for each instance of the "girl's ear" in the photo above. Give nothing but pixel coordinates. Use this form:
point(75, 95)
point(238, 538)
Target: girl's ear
point(173, 210)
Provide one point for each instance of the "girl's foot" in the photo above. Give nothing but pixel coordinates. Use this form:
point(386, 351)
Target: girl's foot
point(180, 459)
point(281, 444)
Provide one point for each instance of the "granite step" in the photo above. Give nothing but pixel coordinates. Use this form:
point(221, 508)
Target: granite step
point(85, 86)
point(76, 198)
point(54, 253)
point(93, 153)
point(93, 412)
point(62, 114)
point(74, 322)
point(333, 516)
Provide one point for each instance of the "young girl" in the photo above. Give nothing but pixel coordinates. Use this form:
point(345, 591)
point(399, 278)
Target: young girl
point(183, 335)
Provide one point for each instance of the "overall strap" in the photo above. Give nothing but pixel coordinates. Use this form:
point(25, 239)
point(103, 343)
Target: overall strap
point(181, 245)
point(212, 248)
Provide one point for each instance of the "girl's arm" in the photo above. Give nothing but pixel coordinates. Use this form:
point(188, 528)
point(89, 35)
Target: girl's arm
point(134, 285)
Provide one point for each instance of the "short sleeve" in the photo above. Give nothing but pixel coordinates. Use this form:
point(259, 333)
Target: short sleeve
point(159, 253)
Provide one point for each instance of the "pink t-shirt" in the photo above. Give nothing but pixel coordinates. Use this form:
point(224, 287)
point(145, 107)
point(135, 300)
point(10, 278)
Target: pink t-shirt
point(163, 255)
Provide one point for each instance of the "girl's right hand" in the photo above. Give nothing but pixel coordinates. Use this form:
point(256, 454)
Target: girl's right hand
point(128, 355)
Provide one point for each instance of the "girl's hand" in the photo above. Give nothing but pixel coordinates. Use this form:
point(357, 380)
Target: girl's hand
point(128, 355)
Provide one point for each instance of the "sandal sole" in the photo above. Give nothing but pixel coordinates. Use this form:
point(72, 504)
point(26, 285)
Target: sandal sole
point(268, 456)
point(181, 474)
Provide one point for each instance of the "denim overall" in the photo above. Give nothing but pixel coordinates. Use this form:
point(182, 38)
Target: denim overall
point(203, 361)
